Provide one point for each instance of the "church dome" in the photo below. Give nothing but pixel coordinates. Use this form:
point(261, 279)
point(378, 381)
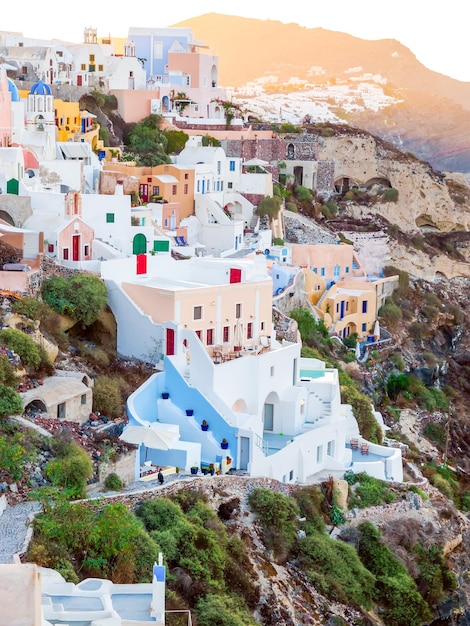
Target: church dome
point(13, 89)
point(40, 89)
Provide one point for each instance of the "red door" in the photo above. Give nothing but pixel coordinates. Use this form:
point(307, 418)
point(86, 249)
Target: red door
point(144, 193)
point(141, 263)
point(235, 275)
point(79, 80)
point(170, 341)
point(75, 247)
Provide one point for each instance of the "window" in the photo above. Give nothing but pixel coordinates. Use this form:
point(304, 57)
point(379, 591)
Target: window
point(173, 190)
point(156, 190)
point(232, 166)
point(198, 333)
point(315, 269)
point(262, 325)
point(219, 167)
point(322, 271)
point(100, 68)
point(364, 328)
point(186, 189)
point(210, 336)
point(65, 254)
point(109, 218)
point(337, 307)
point(50, 247)
point(83, 398)
point(230, 185)
point(249, 330)
point(149, 180)
point(364, 306)
point(186, 176)
point(83, 67)
point(197, 313)
point(238, 310)
point(24, 70)
point(226, 334)
point(319, 454)
point(92, 58)
point(291, 475)
point(158, 49)
point(61, 411)
point(347, 269)
point(330, 448)
point(198, 186)
point(86, 249)
point(272, 371)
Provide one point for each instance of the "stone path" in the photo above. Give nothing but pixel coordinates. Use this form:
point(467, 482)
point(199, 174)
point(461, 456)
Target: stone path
point(14, 529)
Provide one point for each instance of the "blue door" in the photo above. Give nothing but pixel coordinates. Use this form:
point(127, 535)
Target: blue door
point(341, 313)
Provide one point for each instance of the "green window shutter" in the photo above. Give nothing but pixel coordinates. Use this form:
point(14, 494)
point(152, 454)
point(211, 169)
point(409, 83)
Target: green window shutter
point(110, 218)
point(161, 246)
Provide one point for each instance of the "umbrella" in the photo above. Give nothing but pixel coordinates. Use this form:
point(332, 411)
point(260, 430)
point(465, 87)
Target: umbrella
point(238, 335)
point(255, 162)
point(376, 330)
point(152, 435)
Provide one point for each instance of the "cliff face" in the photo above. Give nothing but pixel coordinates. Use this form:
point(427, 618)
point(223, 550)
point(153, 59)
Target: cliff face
point(429, 203)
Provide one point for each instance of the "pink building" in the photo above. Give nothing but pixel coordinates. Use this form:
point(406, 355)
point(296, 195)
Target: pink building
point(5, 109)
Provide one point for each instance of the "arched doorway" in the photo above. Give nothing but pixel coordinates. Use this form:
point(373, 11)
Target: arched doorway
point(35, 406)
point(139, 244)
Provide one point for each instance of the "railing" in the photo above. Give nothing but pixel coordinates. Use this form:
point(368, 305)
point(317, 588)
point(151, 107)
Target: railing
point(262, 445)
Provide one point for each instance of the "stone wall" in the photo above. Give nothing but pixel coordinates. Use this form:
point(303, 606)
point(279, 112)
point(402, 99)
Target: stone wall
point(124, 467)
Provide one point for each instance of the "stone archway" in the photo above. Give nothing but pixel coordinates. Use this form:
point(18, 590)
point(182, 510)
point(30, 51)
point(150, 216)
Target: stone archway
point(35, 406)
point(6, 217)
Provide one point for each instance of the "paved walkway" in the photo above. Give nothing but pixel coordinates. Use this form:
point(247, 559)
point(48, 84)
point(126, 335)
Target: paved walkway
point(14, 529)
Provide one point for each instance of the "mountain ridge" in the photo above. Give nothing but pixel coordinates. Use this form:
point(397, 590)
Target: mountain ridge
point(433, 111)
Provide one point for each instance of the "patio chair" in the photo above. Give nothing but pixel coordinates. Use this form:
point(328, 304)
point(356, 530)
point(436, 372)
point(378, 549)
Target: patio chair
point(354, 443)
point(183, 241)
point(364, 448)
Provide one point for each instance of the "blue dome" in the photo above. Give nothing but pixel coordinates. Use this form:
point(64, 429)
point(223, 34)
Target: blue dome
point(40, 89)
point(13, 89)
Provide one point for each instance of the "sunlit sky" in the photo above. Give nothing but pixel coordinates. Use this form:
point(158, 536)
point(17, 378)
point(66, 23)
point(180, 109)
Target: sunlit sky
point(435, 32)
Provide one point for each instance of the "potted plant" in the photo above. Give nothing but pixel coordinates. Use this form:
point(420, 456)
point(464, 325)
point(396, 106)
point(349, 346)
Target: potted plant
point(204, 425)
point(189, 412)
point(224, 444)
point(165, 395)
point(228, 460)
point(194, 469)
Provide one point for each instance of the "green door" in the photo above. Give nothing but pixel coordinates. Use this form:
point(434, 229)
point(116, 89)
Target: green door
point(139, 245)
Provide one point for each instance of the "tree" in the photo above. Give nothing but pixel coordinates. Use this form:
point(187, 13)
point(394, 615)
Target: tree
point(269, 206)
point(83, 296)
point(24, 346)
point(176, 141)
point(147, 142)
point(10, 402)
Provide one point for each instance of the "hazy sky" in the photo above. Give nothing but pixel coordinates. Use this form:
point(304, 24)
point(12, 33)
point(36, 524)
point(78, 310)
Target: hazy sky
point(436, 32)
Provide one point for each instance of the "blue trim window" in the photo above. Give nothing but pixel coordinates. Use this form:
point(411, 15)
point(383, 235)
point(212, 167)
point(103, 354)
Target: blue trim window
point(364, 306)
point(232, 166)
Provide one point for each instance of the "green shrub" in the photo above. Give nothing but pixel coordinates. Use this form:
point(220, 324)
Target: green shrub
point(369, 491)
point(436, 433)
point(30, 307)
point(391, 314)
point(335, 570)
point(390, 195)
point(396, 384)
point(10, 402)
point(303, 194)
point(443, 485)
point(113, 482)
point(397, 360)
point(290, 206)
point(23, 345)
point(362, 410)
point(13, 455)
point(83, 296)
point(107, 398)
point(278, 515)
point(418, 330)
point(7, 373)
point(213, 610)
point(71, 470)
